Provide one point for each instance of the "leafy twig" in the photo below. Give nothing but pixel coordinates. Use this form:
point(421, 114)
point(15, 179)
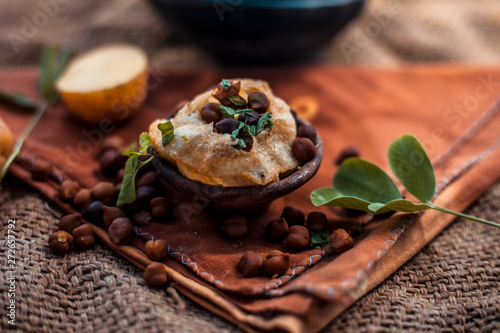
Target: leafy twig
point(52, 65)
point(361, 185)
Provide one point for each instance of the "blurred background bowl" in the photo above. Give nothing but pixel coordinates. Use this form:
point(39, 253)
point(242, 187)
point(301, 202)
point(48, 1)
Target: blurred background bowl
point(250, 31)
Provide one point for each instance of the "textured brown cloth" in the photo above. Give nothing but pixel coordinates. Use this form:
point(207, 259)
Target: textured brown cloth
point(307, 302)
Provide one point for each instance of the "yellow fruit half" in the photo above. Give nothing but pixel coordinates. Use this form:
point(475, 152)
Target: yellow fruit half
point(6, 142)
point(108, 82)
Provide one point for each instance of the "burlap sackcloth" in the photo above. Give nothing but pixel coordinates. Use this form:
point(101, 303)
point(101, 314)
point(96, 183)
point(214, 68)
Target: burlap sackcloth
point(384, 92)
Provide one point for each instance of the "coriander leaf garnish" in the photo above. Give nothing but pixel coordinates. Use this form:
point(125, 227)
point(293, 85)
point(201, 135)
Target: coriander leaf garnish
point(241, 143)
point(225, 84)
point(361, 185)
point(237, 100)
point(167, 132)
point(255, 99)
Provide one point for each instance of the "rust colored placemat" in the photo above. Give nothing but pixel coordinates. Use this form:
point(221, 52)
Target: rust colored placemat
point(345, 95)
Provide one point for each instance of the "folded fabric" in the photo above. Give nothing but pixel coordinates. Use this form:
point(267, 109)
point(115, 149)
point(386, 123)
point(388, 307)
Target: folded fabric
point(450, 110)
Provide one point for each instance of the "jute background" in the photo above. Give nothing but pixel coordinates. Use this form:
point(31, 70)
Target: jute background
point(451, 285)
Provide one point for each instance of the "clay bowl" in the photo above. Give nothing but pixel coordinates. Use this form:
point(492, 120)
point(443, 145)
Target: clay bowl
point(247, 199)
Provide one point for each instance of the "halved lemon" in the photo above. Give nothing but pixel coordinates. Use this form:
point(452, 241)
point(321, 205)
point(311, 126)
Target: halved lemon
point(108, 82)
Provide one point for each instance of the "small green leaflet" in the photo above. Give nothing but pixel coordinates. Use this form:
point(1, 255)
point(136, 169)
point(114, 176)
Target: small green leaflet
point(225, 84)
point(237, 100)
point(361, 185)
point(411, 165)
point(401, 205)
point(255, 99)
point(319, 237)
point(227, 112)
point(362, 179)
point(241, 143)
point(127, 192)
point(145, 143)
point(17, 99)
point(167, 132)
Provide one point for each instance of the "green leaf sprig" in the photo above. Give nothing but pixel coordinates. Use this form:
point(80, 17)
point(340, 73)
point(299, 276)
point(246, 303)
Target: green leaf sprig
point(132, 166)
point(52, 65)
point(361, 185)
point(134, 163)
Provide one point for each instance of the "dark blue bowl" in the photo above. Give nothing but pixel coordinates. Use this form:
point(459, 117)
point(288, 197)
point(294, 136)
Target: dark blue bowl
point(249, 31)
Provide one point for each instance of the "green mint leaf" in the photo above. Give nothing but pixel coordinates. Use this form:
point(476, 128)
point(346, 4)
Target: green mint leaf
point(17, 99)
point(319, 237)
point(167, 132)
point(330, 197)
point(237, 100)
point(361, 179)
point(145, 143)
point(236, 132)
point(241, 143)
point(225, 84)
point(412, 167)
point(227, 112)
point(400, 205)
point(127, 191)
point(256, 99)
